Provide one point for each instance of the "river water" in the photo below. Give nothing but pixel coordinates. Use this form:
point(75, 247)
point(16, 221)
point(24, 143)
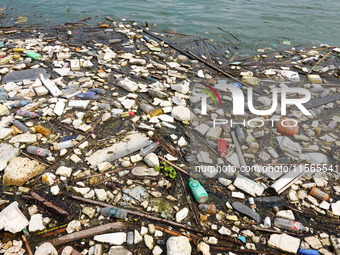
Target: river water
point(250, 21)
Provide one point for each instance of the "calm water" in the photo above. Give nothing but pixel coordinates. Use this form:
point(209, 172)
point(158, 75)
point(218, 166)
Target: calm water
point(255, 21)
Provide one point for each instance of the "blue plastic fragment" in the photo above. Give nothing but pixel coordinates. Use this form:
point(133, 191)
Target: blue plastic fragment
point(1, 45)
point(69, 137)
point(308, 252)
point(242, 239)
point(237, 84)
point(89, 95)
point(98, 91)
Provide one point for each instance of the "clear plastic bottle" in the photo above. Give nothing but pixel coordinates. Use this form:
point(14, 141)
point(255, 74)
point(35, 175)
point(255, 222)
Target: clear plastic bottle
point(148, 149)
point(3, 94)
point(226, 128)
point(331, 125)
point(21, 126)
point(129, 238)
point(240, 135)
point(268, 201)
point(146, 108)
point(267, 223)
point(63, 145)
point(325, 93)
point(290, 225)
point(207, 208)
point(113, 212)
point(22, 103)
point(38, 151)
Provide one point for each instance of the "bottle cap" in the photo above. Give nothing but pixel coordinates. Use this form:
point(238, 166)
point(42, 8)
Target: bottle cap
point(331, 200)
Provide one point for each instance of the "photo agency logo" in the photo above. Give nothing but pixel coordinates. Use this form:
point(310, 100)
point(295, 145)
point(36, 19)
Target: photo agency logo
point(238, 102)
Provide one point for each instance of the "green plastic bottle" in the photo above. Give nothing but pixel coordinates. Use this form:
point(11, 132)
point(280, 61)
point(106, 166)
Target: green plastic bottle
point(33, 55)
point(198, 191)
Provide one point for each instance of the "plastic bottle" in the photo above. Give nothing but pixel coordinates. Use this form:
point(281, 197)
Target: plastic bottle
point(251, 202)
point(146, 108)
point(308, 252)
point(148, 149)
point(317, 193)
point(129, 238)
point(3, 94)
point(98, 91)
point(38, 151)
point(198, 191)
point(111, 185)
point(63, 145)
point(33, 55)
point(42, 130)
point(222, 147)
point(268, 201)
point(21, 103)
point(331, 125)
point(21, 126)
point(113, 212)
point(240, 135)
point(253, 145)
point(290, 225)
point(226, 128)
point(207, 208)
point(325, 93)
point(155, 112)
point(267, 223)
point(32, 115)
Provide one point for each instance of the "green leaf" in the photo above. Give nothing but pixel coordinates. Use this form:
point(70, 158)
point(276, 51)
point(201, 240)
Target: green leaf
point(172, 175)
point(156, 168)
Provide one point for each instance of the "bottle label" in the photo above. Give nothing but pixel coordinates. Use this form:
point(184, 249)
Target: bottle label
point(39, 152)
point(295, 225)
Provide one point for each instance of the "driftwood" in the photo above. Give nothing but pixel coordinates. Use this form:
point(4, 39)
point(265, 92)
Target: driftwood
point(89, 232)
point(49, 205)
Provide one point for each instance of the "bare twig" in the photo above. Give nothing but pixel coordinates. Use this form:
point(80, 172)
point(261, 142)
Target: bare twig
point(27, 245)
point(49, 205)
point(171, 164)
point(89, 232)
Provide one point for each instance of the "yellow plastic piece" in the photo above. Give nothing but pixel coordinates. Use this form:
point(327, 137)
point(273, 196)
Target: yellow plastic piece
point(155, 112)
point(314, 78)
point(18, 49)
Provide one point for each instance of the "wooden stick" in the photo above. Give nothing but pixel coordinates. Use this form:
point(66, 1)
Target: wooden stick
point(89, 232)
point(238, 149)
point(174, 233)
point(320, 60)
point(29, 156)
point(50, 206)
point(28, 248)
point(171, 164)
